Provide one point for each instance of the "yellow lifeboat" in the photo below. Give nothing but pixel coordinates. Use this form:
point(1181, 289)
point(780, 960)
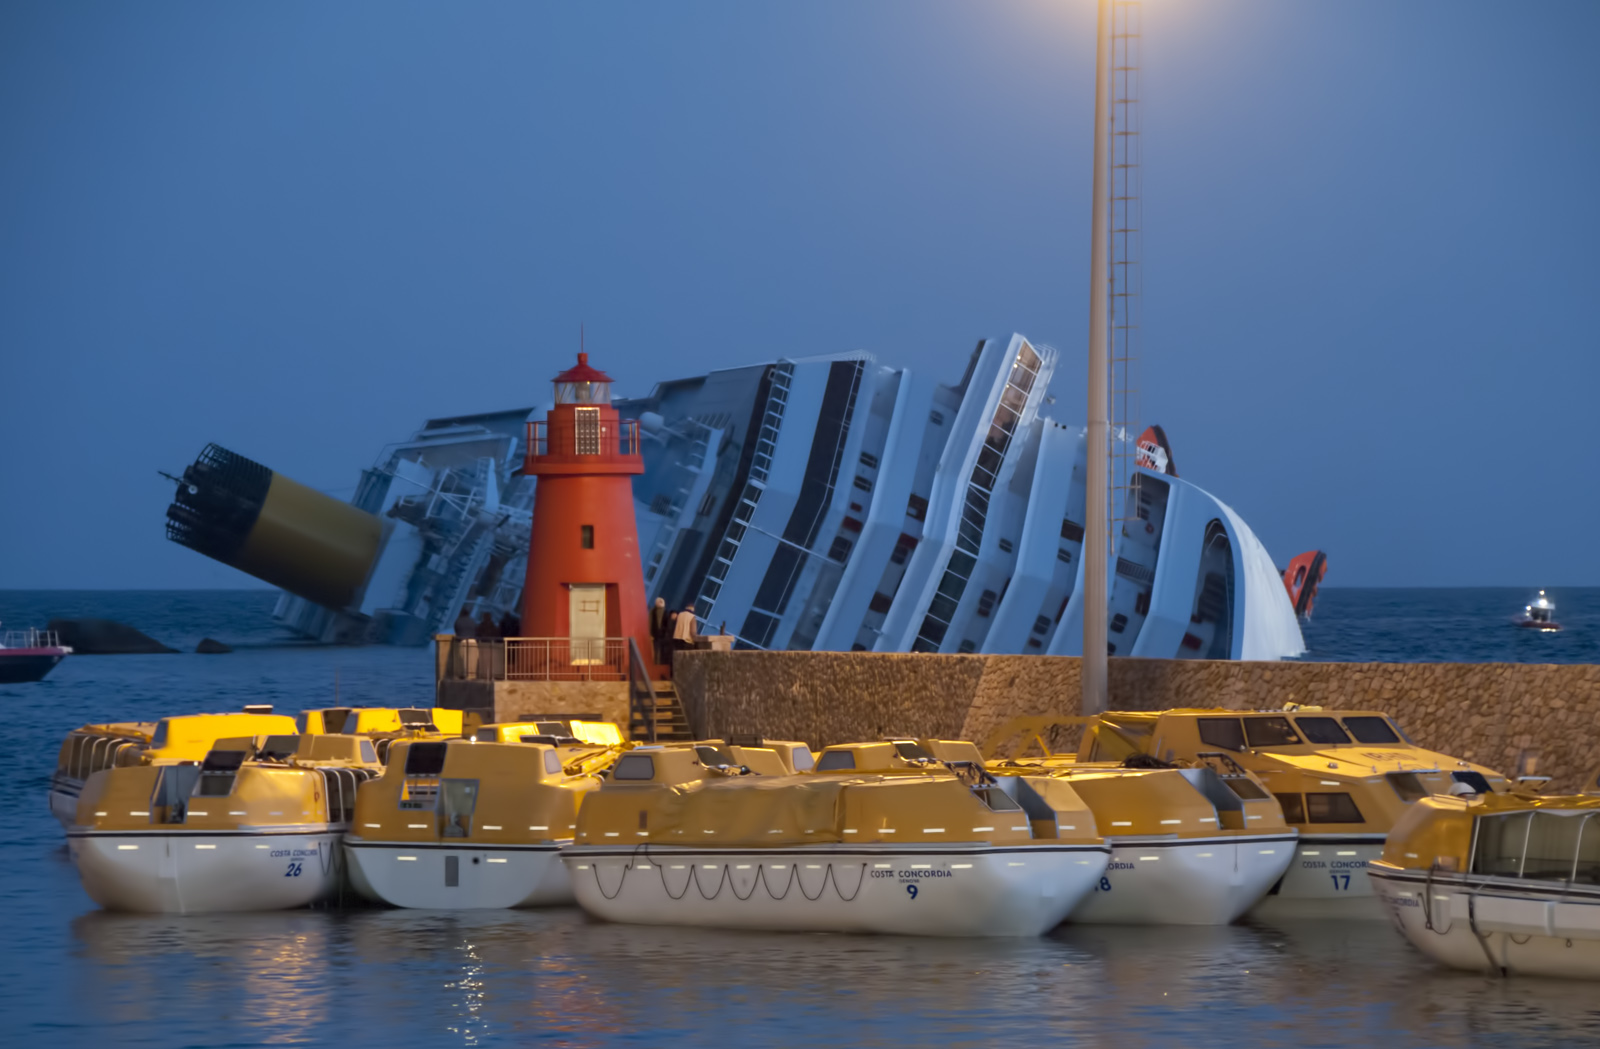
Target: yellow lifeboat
point(1342, 778)
point(253, 826)
point(881, 837)
point(90, 749)
point(1501, 883)
point(468, 824)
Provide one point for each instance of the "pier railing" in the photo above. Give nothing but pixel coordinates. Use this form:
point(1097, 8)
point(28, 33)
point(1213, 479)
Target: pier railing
point(531, 658)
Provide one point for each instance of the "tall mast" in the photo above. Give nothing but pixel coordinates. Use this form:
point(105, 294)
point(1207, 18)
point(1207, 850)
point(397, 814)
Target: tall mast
point(1096, 540)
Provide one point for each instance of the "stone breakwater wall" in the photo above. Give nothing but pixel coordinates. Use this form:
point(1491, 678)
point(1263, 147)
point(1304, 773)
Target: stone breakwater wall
point(1520, 718)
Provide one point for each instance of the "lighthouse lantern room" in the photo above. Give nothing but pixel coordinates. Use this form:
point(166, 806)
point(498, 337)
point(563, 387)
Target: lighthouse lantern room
point(585, 590)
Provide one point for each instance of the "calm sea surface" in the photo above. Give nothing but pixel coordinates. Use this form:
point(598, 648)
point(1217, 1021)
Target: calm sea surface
point(72, 975)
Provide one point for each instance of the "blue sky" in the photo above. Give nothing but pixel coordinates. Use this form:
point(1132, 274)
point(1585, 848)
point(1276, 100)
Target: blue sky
point(298, 229)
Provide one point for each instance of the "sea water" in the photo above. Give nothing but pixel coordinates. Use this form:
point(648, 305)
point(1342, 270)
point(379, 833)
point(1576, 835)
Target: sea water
point(71, 974)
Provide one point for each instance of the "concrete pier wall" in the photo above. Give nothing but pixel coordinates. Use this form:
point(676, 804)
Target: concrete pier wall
point(1520, 718)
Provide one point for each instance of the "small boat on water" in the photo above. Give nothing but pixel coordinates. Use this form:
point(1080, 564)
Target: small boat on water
point(28, 655)
point(187, 737)
point(1342, 778)
point(1188, 846)
point(1500, 883)
point(459, 824)
point(881, 837)
point(254, 826)
point(1538, 614)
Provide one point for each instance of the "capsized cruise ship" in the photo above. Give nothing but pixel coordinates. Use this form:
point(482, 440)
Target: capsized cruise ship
point(831, 503)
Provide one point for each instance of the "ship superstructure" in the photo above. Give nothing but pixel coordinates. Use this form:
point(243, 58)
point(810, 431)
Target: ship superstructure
point(831, 503)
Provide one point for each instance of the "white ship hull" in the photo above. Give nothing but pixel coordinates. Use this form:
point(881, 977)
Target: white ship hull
point(1492, 926)
point(939, 891)
point(195, 872)
point(1211, 881)
point(458, 877)
point(1327, 879)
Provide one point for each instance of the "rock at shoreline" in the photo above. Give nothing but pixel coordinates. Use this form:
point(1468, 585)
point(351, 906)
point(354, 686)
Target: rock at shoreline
point(105, 637)
point(210, 647)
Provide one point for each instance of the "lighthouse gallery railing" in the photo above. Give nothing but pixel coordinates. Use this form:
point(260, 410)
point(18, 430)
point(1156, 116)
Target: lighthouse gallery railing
point(532, 659)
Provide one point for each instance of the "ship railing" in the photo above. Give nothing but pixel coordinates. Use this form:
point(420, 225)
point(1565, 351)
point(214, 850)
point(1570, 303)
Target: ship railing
point(30, 638)
point(532, 658)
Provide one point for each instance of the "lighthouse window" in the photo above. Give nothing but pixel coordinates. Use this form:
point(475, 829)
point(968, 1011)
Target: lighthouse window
point(586, 533)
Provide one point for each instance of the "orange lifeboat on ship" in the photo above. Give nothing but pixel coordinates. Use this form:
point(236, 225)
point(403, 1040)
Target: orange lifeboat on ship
point(1302, 578)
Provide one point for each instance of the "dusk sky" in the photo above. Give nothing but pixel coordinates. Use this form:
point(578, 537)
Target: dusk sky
point(300, 229)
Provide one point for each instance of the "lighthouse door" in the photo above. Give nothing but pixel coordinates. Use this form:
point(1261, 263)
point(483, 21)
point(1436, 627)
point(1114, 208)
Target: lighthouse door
point(586, 619)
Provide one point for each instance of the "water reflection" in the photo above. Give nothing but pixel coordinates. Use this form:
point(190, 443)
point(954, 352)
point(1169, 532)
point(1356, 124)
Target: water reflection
point(510, 977)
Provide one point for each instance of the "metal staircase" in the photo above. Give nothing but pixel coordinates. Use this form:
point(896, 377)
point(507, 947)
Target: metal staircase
point(655, 714)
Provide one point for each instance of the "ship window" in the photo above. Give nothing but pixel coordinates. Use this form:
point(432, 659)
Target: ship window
point(901, 552)
point(1407, 785)
point(1294, 809)
point(1041, 624)
point(937, 418)
point(706, 504)
point(1222, 732)
point(1071, 531)
point(425, 759)
point(1500, 844)
point(1033, 642)
point(840, 549)
point(836, 761)
point(1474, 780)
point(880, 602)
point(1321, 730)
point(1331, 807)
point(967, 647)
point(863, 483)
point(634, 767)
point(917, 508)
point(660, 504)
point(1064, 555)
point(986, 602)
point(1270, 732)
point(1371, 729)
point(586, 536)
point(1005, 545)
point(869, 460)
point(1141, 604)
point(1119, 623)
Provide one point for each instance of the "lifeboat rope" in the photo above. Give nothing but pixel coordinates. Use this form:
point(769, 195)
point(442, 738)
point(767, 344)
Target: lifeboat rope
point(724, 875)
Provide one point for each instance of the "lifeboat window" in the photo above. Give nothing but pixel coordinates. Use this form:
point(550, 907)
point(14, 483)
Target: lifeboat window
point(1246, 789)
point(912, 752)
point(634, 767)
point(1587, 868)
point(1222, 732)
point(997, 799)
point(278, 748)
point(1474, 780)
point(159, 740)
point(1408, 786)
point(1371, 729)
point(425, 759)
point(457, 799)
point(1270, 732)
point(368, 753)
point(301, 721)
point(552, 762)
point(836, 761)
point(217, 773)
point(1321, 730)
point(803, 761)
point(1332, 807)
point(1294, 807)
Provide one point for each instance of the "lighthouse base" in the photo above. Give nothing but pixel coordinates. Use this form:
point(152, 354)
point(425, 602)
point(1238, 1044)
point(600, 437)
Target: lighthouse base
point(499, 701)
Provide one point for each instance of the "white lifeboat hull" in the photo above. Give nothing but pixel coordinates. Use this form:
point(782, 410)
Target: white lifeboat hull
point(1166, 881)
point(940, 891)
point(457, 877)
point(1492, 926)
point(194, 872)
point(1327, 879)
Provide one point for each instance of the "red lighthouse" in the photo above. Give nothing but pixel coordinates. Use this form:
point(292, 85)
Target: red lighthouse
point(584, 580)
